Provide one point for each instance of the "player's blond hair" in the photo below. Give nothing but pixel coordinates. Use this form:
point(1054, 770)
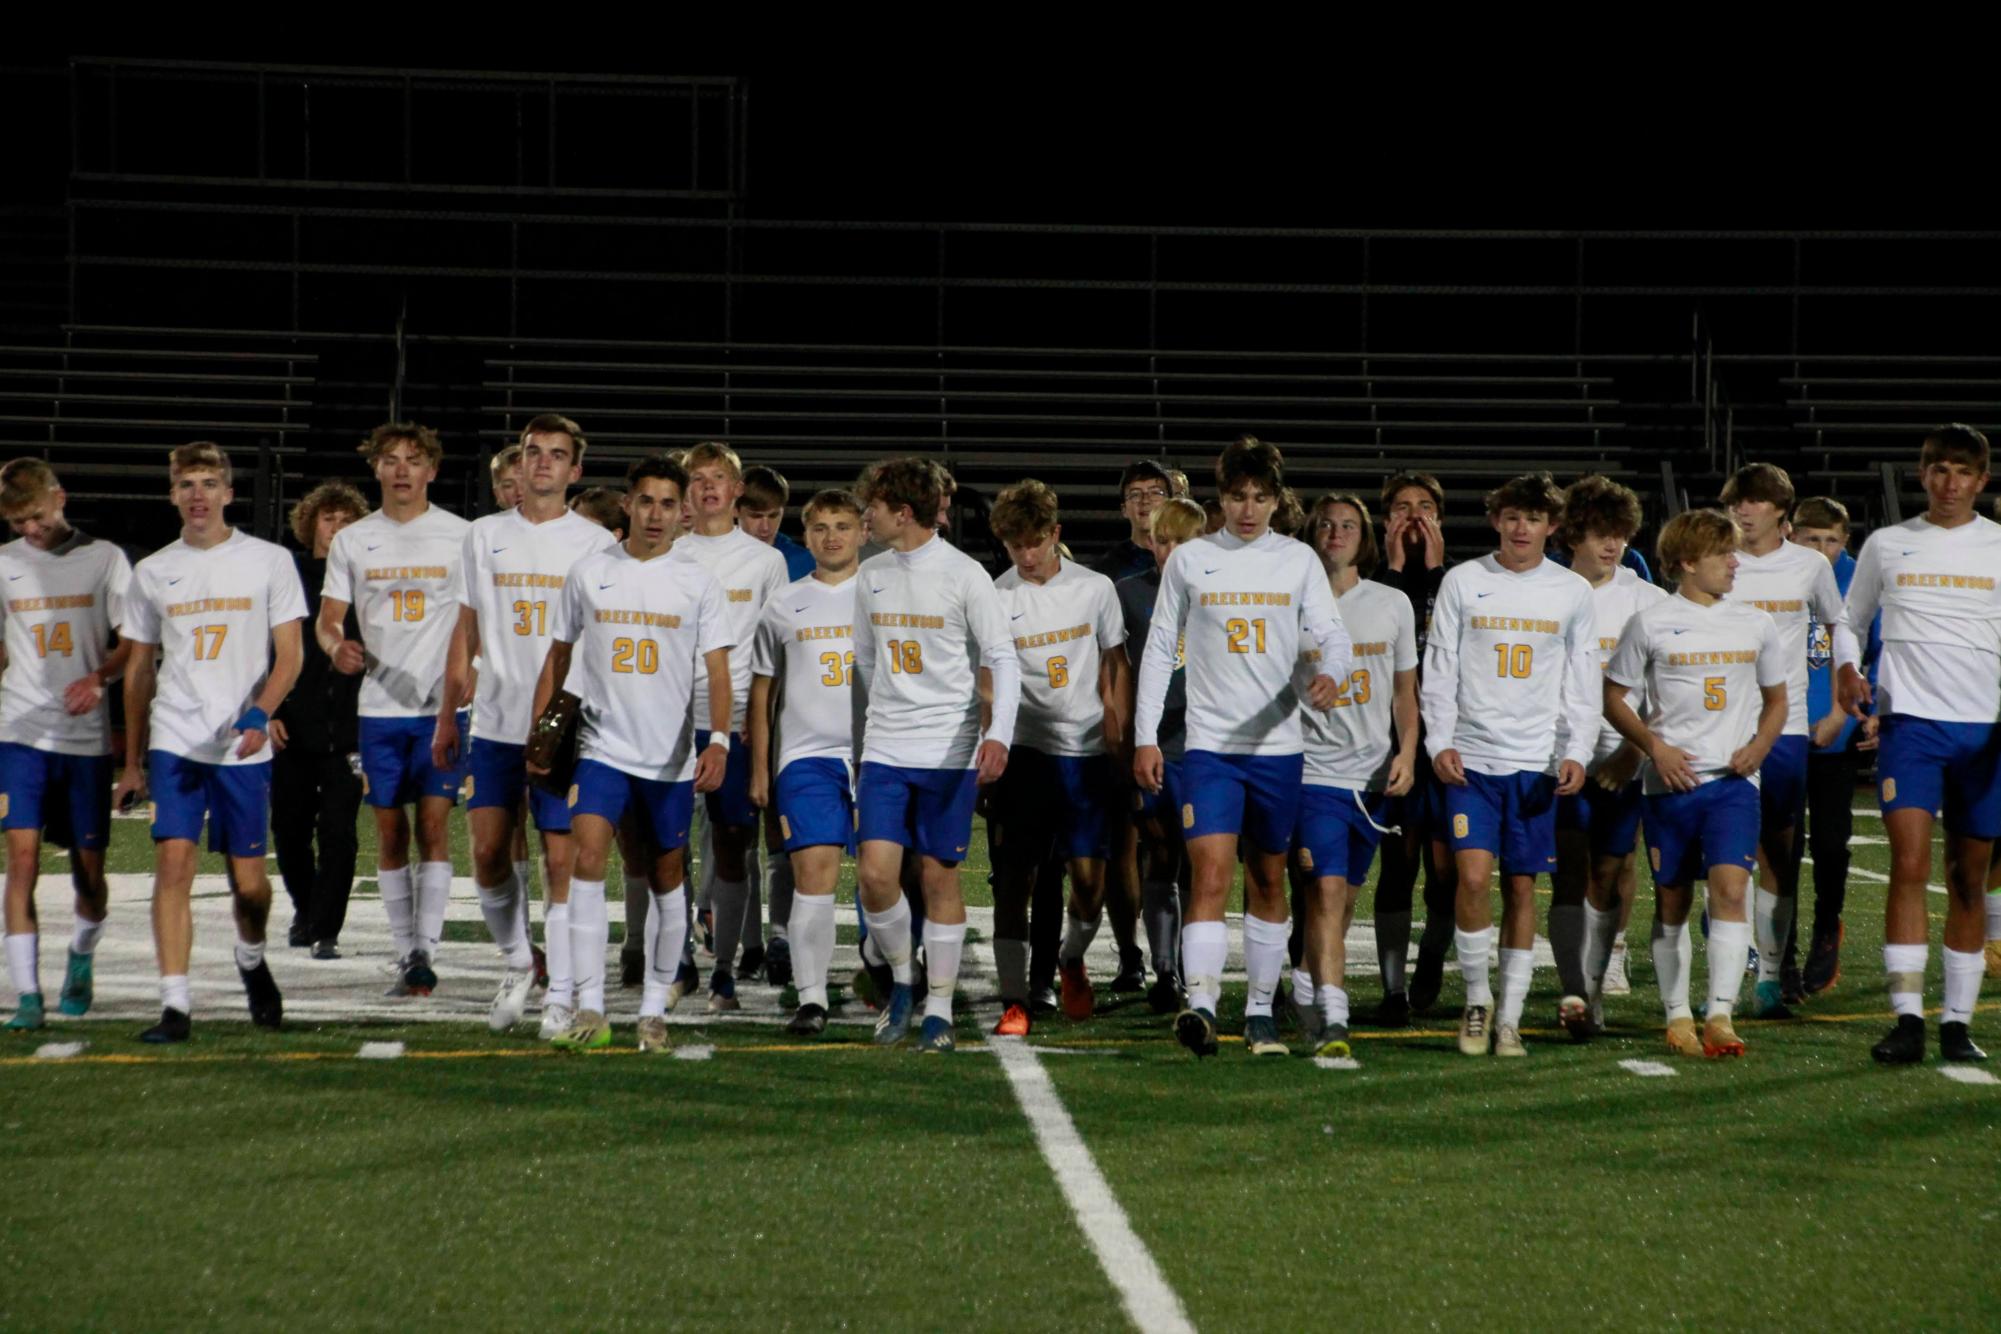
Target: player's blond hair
point(336, 496)
point(509, 457)
point(713, 451)
point(1177, 519)
point(1694, 534)
point(833, 498)
point(23, 485)
point(1024, 513)
point(200, 456)
point(389, 434)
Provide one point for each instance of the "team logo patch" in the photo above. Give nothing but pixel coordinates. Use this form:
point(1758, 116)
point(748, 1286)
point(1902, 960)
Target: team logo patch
point(468, 787)
point(1188, 815)
point(1461, 826)
point(1889, 789)
point(1305, 858)
point(573, 796)
point(784, 827)
point(4, 799)
point(1654, 856)
point(364, 785)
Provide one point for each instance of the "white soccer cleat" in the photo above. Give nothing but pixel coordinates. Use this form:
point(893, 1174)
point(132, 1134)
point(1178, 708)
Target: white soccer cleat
point(511, 1001)
point(1616, 981)
point(1508, 1041)
point(556, 1020)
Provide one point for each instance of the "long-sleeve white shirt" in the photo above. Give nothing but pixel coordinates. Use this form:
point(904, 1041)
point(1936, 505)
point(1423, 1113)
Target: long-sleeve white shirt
point(1244, 611)
point(1939, 590)
point(1512, 663)
point(1796, 585)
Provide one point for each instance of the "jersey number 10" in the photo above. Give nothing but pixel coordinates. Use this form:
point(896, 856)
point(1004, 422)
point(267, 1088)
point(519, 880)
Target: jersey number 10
point(1516, 660)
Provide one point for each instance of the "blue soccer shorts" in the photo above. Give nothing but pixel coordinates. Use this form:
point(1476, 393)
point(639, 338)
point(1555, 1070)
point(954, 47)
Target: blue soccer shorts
point(1337, 831)
point(730, 804)
point(235, 799)
point(35, 783)
point(1689, 832)
point(396, 766)
point(1512, 816)
point(665, 809)
point(1254, 798)
point(927, 810)
point(815, 803)
point(500, 778)
point(1953, 768)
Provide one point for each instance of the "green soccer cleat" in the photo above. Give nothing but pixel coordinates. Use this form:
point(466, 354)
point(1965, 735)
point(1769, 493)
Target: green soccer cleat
point(28, 1015)
point(77, 992)
point(1334, 1042)
point(1768, 1001)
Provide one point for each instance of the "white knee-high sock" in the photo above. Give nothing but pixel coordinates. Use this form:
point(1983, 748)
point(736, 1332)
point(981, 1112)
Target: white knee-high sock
point(24, 962)
point(174, 993)
point(1078, 935)
point(1773, 920)
point(556, 944)
point(1671, 959)
point(890, 930)
point(1963, 970)
point(666, 936)
point(811, 934)
point(1011, 970)
point(1566, 942)
point(1264, 962)
point(434, 897)
point(1904, 971)
point(944, 944)
point(1205, 949)
point(589, 936)
point(85, 939)
point(398, 907)
point(1729, 950)
point(1471, 947)
point(1392, 948)
point(1517, 971)
point(1600, 931)
point(502, 910)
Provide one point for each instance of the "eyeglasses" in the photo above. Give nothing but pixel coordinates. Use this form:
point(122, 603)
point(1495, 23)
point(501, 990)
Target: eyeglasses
point(1146, 493)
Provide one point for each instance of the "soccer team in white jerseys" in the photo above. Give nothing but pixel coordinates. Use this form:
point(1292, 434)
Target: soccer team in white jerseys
point(1270, 729)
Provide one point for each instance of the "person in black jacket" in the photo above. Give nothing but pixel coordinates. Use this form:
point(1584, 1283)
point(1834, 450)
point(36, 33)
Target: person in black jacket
point(315, 791)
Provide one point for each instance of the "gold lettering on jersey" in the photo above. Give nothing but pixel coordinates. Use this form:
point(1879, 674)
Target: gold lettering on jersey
point(203, 606)
point(1777, 605)
point(1721, 658)
point(1052, 637)
point(1520, 624)
point(63, 603)
point(609, 616)
point(1368, 648)
point(1246, 600)
point(907, 620)
point(824, 632)
point(528, 580)
point(1608, 644)
point(739, 594)
point(405, 572)
point(1984, 582)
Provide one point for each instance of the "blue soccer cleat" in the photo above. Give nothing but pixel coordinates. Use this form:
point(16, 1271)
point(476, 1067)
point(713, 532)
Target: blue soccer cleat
point(893, 1024)
point(935, 1036)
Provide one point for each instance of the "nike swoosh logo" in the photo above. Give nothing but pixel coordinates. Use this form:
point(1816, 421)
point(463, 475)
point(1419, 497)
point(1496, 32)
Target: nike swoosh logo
point(1212, 571)
point(1017, 616)
point(378, 544)
point(12, 577)
point(1681, 632)
point(603, 587)
point(1477, 596)
point(875, 590)
point(172, 582)
point(1912, 552)
point(498, 550)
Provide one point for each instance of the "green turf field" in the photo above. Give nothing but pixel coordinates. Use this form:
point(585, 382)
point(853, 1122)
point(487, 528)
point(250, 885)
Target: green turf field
point(759, 1181)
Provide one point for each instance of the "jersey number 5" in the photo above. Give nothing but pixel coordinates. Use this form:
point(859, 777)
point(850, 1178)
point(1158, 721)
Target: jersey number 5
point(1242, 633)
point(1714, 697)
point(52, 637)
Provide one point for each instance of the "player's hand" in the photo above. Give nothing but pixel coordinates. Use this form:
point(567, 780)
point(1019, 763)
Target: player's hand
point(1869, 733)
point(1149, 768)
point(253, 741)
point(280, 738)
point(349, 659)
point(535, 770)
point(1393, 553)
point(1323, 692)
point(1403, 772)
point(82, 694)
point(1434, 541)
point(445, 742)
point(1569, 778)
point(1851, 691)
point(131, 789)
point(760, 786)
point(1618, 771)
point(1449, 768)
point(1671, 763)
point(710, 766)
point(1828, 728)
point(1747, 760)
point(991, 762)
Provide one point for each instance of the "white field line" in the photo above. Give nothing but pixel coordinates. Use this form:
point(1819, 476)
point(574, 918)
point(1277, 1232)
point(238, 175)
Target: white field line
point(1966, 1074)
point(1143, 1289)
point(1649, 1069)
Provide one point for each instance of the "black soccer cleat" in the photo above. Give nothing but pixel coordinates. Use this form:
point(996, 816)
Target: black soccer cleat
point(1902, 1045)
point(1955, 1043)
point(1392, 1012)
point(1792, 986)
point(541, 965)
point(882, 979)
point(300, 936)
point(418, 975)
point(778, 962)
point(631, 967)
point(1132, 972)
point(1164, 996)
point(751, 967)
point(173, 1027)
point(267, 1007)
point(1042, 1002)
point(810, 1022)
point(1426, 981)
point(1196, 1030)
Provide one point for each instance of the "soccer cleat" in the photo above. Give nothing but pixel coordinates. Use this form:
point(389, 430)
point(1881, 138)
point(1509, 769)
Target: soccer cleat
point(1682, 1039)
point(722, 992)
point(778, 962)
point(1902, 1045)
point(1574, 1013)
point(77, 987)
point(418, 976)
point(1617, 983)
point(557, 1020)
point(1261, 1036)
point(1955, 1043)
point(1426, 981)
point(687, 981)
point(1792, 987)
point(1768, 1002)
point(326, 950)
point(1164, 996)
point(751, 966)
point(28, 1014)
point(1196, 1030)
point(1014, 1021)
point(1334, 1042)
point(631, 967)
point(1393, 1011)
point(1719, 1038)
point(1508, 1041)
point(399, 985)
point(511, 1001)
point(934, 1038)
point(1473, 1036)
point(589, 1031)
point(1132, 971)
point(653, 1033)
point(1823, 960)
point(1080, 999)
point(1994, 959)
point(541, 965)
point(810, 1022)
point(173, 1027)
point(1042, 1001)
point(892, 1026)
point(267, 1007)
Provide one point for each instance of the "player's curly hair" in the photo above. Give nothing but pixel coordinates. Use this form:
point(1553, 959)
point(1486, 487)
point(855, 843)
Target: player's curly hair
point(1531, 493)
point(909, 481)
point(1024, 513)
point(1248, 459)
point(1289, 519)
point(1598, 505)
point(389, 433)
point(1955, 442)
point(1368, 553)
point(1694, 534)
point(336, 496)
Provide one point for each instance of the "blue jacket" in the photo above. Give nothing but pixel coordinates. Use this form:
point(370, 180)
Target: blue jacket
point(799, 562)
point(1820, 661)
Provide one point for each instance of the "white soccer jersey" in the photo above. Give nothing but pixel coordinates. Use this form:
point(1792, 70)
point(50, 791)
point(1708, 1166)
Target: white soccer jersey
point(1511, 668)
point(211, 611)
point(1349, 745)
point(59, 609)
point(404, 582)
point(925, 622)
point(1939, 590)
point(1061, 630)
point(1243, 612)
point(1703, 669)
point(806, 644)
point(1617, 601)
point(1796, 585)
point(638, 628)
point(515, 572)
point(751, 573)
